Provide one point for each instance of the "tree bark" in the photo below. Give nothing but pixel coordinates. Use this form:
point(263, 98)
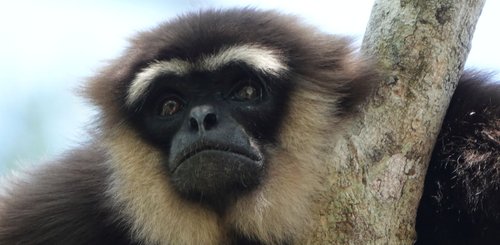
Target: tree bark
point(377, 168)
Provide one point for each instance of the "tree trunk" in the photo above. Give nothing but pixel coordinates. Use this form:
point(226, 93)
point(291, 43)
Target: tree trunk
point(377, 170)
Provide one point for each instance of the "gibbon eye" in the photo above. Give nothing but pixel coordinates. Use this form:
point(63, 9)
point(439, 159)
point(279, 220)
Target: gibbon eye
point(169, 106)
point(247, 92)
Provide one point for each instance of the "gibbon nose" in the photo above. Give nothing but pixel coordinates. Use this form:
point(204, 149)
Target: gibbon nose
point(202, 118)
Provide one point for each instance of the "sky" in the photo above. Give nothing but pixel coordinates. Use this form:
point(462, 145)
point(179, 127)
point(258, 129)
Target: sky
point(48, 48)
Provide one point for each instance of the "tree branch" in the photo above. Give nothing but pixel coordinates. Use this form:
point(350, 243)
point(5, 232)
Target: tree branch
point(377, 170)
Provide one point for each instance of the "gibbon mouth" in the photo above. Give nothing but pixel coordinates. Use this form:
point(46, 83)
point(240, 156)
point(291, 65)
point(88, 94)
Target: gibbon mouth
point(205, 147)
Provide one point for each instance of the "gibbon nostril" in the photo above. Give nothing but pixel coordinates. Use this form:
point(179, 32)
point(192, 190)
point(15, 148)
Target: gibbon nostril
point(210, 121)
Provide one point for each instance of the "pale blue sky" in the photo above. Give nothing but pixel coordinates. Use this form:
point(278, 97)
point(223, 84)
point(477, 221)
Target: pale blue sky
point(47, 48)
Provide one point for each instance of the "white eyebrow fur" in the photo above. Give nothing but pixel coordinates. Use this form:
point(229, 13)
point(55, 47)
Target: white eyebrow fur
point(259, 58)
point(144, 78)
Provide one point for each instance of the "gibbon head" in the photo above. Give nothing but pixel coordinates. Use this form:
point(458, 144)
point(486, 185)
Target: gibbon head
point(216, 122)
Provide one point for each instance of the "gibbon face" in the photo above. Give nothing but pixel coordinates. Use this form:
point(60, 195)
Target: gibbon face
point(215, 123)
point(210, 123)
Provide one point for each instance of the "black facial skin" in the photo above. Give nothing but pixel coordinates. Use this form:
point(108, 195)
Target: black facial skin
point(212, 128)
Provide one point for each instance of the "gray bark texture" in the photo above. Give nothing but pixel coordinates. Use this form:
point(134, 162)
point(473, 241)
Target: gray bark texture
point(377, 169)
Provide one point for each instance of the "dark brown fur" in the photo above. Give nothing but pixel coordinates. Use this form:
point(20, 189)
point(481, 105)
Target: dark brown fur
point(62, 202)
